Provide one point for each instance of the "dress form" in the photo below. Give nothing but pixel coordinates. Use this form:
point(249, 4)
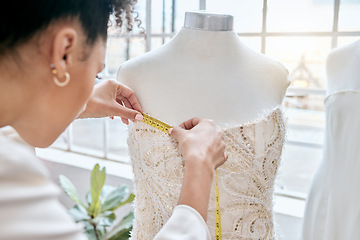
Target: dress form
point(205, 71)
point(342, 66)
point(332, 209)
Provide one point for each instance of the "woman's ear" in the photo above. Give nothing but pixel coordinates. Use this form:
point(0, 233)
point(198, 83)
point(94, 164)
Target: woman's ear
point(63, 50)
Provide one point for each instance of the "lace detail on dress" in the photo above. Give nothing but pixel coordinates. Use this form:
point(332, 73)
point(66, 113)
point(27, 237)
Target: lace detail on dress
point(246, 180)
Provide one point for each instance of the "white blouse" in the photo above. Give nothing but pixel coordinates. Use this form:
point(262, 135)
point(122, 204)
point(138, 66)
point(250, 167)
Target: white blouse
point(30, 209)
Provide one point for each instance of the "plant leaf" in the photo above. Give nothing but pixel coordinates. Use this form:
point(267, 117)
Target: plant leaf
point(105, 219)
point(70, 189)
point(122, 235)
point(122, 229)
point(114, 198)
point(90, 232)
point(104, 192)
point(79, 213)
point(97, 182)
point(88, 198)
point(88, 226)
point(129, 200)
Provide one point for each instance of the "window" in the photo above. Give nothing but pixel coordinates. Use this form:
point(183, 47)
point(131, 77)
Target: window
point(298, 33)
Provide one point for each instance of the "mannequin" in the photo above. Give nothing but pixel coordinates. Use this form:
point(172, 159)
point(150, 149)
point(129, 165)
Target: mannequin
point(343, 67)
point(205, 71)
point(332, 208)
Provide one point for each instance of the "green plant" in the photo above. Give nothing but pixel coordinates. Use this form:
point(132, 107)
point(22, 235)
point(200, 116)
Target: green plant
point(102, 201)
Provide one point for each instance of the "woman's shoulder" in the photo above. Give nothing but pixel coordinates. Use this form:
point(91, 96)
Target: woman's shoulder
point(9, 137)
point(27, 195)
point(17, 158)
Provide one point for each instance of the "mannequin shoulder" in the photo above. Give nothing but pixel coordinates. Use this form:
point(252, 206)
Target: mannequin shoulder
point(279, 71)
point(128, 70)
point(344, 52)
point(137, 68)
point(276, 72)
point(124, 74)
point(279, 78)
point(341, 66)
point(339, 57)
point(271, 75)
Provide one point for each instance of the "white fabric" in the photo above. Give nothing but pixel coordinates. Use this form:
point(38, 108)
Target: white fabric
point(246, 180)
point(333, 210)
point(185, 224)
point(29, 206)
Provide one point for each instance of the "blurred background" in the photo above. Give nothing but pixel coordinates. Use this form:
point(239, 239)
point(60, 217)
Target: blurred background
point(298, 33)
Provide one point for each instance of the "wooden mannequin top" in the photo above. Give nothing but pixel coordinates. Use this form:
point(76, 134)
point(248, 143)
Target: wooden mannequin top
point(343, 68)
point(205, 73)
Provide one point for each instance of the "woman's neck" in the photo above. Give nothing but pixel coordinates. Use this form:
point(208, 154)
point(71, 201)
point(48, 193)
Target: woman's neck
point(17, 87)
point(9, 95)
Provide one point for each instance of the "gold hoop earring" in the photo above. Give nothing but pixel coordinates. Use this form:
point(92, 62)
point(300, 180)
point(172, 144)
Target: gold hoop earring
point(64, 83)
point(56, 80)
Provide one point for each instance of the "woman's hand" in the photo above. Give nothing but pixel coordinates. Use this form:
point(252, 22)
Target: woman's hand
point(203, 149)
point(110, 98)
point(201, 143)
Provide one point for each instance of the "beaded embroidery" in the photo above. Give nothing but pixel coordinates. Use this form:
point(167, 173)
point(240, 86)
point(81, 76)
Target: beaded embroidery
point(246, 180)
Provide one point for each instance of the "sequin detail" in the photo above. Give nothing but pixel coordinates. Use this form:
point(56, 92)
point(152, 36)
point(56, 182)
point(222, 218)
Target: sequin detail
point(246, 180)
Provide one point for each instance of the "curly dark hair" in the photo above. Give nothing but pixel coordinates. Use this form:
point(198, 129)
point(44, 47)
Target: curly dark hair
point(20, 20)
point(125, 9)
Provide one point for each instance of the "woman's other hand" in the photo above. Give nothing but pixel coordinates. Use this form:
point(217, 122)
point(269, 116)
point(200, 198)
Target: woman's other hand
point(110, 98)
point(201, 144)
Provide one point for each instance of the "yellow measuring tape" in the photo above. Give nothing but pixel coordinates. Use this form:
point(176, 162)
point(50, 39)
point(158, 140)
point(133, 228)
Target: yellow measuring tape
point(156, 123)
point(165, 128)
point(218, 214)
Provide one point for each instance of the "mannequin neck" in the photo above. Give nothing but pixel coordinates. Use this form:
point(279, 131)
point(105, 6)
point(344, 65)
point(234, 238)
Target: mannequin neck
point(197, 42)
point(208, 21)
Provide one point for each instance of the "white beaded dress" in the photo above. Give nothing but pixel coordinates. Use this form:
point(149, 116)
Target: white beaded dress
point(246, 180)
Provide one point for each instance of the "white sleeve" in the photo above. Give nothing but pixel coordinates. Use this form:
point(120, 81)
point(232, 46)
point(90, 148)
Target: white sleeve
point(184, 224)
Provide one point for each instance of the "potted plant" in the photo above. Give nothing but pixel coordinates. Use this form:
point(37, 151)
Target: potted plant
point(98, 214)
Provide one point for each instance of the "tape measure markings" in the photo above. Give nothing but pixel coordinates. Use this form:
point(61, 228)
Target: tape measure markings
point(156, 123)
point(218, 213)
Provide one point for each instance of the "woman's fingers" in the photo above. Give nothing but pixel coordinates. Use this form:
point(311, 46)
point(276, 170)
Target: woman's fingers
point(177, 132)
point(125, 121)
point(189, 124)
point(125, 93)
point(110, 98)
point(200, 137)
point(127, 104)
point(125, 113)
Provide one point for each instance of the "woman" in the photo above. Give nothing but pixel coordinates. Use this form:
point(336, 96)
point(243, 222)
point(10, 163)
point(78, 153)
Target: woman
point(50, 54)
